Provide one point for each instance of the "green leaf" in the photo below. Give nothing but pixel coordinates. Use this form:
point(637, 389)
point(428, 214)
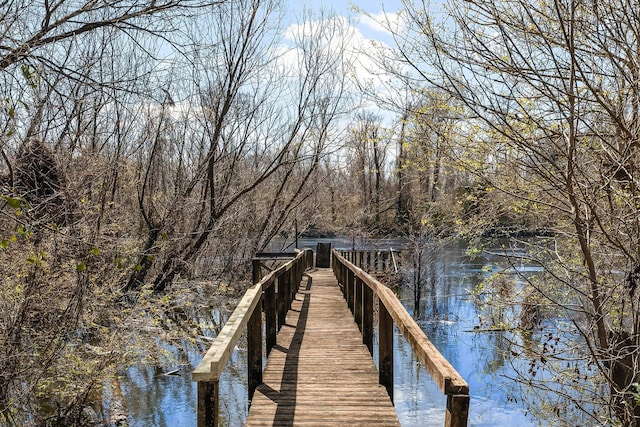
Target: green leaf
point(35, 260)
point(28, 75)
point(13, 202)
point(26, 72)
point(4, 243)
point(95, 251)
point(81, 267)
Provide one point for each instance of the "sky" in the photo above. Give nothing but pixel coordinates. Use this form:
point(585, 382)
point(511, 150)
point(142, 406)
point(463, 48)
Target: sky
point(368, 28)
point(362, 33)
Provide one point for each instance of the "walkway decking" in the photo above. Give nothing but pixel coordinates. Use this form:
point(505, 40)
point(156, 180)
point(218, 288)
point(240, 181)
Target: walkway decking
point(319, 372)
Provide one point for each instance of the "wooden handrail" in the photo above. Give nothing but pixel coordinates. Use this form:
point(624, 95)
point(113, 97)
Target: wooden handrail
point(246, 316)
point(372, 260)
point(216, 358)
point(357, 286)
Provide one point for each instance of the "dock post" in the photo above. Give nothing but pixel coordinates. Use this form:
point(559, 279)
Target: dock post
point(208, 403)
point(367, 320)
point(357, 305)
point(280, 302)
point(385, 349)
point(350, 285)
point(254, 350)
point(270, 317)
point(323, 255)
point(457, 410)
point(256, 270)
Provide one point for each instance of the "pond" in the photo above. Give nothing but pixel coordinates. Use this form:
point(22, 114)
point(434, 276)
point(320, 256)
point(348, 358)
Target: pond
point(448, 317)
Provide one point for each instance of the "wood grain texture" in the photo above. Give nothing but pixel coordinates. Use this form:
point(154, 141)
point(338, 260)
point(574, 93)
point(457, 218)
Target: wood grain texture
point(320, 373)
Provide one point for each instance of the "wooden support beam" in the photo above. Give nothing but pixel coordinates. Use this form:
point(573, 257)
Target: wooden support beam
point(367, 320)
point(357, 304)
point(281, 301)
point(350, 289)
point(256, 270)
point(208, 403)
point(457, 410)
point(270, 318)
point(385, 349)
point(254, 351)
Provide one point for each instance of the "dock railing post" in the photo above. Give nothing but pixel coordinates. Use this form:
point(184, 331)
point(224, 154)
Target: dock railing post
point(309, 260)
point(357, 305)
point(457, 410)
point(286, 292)
point(280, 302)
point(350, 288)
point(270, 317)
point(208, 403)
point(256, 273)
point(254, 350)
point(367, 320)
point(385, 348)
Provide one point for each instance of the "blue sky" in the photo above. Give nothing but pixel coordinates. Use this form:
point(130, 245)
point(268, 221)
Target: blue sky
point(359, 32)
point(346, 9)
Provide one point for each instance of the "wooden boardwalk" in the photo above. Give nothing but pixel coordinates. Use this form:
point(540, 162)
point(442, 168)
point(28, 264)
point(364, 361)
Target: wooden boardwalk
point(319, 372)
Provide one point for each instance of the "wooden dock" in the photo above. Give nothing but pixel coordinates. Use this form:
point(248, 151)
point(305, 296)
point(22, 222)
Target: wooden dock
point(320, 372)
point(317, 327)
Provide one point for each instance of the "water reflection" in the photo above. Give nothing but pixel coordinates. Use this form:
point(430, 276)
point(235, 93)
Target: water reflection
point(450, 317)
point(167, 396)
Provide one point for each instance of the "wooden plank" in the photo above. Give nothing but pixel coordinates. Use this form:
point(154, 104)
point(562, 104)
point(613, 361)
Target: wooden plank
point(320, 372)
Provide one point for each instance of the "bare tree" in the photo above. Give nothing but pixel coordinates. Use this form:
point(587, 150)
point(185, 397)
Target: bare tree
point(249, 138)
point(368, 145)
point(550, 94)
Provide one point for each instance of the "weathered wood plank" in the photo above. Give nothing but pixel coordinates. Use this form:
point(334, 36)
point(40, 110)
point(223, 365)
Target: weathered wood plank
point(320, 372)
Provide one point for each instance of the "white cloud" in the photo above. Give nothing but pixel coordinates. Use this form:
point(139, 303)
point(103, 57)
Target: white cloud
point(362, 43)
point(381, 22)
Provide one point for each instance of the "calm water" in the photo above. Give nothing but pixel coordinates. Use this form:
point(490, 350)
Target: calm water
point(448, 318)
point(448, 314)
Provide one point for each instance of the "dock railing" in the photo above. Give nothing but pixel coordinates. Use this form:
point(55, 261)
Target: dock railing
point(373, 260)
point(359, 289)
point(248, 315)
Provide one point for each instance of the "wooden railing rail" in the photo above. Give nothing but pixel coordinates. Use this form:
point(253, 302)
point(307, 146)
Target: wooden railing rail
point(358, 288)
point(373, 260)
point(278, 289)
